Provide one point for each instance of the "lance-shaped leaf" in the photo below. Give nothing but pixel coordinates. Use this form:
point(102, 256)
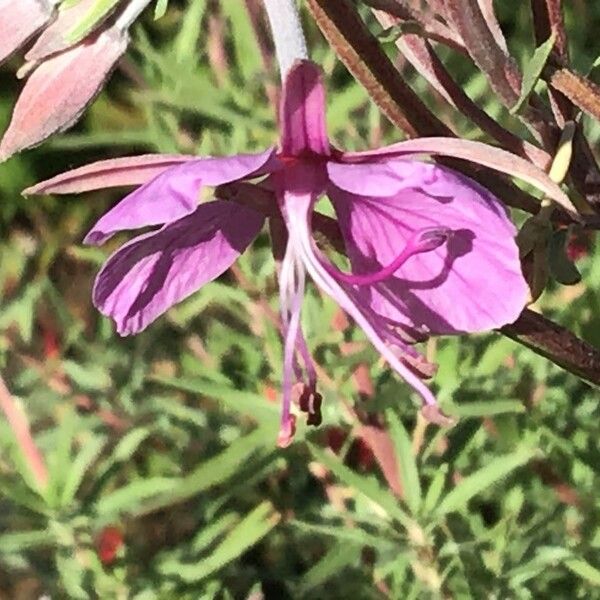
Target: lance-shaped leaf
point(19, 21)
point(424, 58)
point(59, 90)
point(129, 170)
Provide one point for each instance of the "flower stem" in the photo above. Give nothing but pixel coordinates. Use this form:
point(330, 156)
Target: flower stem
point(20, 428)
point(290, 44)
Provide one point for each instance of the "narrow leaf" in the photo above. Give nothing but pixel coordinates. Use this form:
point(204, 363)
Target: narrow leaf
point(252, 528)
point(480, 480)
point(363, 485)
point(409, 474)
point(78, 468)
point(532, 71)
point(19, 21)
point(130, 170)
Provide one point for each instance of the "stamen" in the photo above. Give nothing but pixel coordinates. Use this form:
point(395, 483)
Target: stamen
point(309, 366)
point(423, 240)
point(292, 280)
point(310, 403)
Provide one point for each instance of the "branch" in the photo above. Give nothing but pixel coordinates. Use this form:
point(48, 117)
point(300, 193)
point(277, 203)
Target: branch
point(561, 346)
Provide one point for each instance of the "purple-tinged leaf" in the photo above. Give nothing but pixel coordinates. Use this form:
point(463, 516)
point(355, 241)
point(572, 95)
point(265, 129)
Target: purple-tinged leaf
point(423, 57)
point(579, 90)
point(475, 152)
point(557, 344)
point(19, 21)
point(56, 94)
point(498, 68)
point(115, 172)
point(54, 38)
point(489, 14)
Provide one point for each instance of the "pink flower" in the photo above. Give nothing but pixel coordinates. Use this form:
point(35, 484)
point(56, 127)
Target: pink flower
point(431, 251)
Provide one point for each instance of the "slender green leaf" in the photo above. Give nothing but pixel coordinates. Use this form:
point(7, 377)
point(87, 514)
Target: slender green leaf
point(252, 528)
point(367, 486)
point(79, 467)
point(477, 482)
point(532, 71)
point(409, 474)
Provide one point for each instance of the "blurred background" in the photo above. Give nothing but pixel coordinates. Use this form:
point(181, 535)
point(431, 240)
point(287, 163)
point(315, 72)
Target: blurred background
point(164, 477)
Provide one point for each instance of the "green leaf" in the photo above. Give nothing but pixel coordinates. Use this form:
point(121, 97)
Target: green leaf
point(338, 558)
point(26, 540)
point(89, 376)
point(252, 528)
point(434, 491)
point(129, 443)
point(409, 474)
point(129, 498)
point(99, 11)
point(215, 470)
point(71, 575)
point(584, 570)
point(247, 51)
point(240, 401)
point(343, 533)
point(79, 467)
point(561, 266)
point(547, 556)
point(480, 480)
point(367, 486)
point(532, 71)
point(186, 41)
point(214, 530)
point(160, 9)
point(485, 408)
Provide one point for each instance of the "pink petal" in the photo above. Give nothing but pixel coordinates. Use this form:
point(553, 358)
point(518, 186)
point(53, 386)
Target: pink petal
point(19, 21)
point(129, 170)
point(57, 92)
point(471, 283)
point(376, 179)
point(55, 38)
point(303, 112)
point(174, 193)
point(147, 276)
point(345, 176)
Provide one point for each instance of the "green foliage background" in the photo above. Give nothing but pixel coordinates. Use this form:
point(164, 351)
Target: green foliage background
point(170, 436)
